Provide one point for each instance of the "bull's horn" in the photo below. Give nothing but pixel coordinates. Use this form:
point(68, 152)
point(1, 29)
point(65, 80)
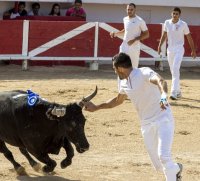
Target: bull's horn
point(88, 98)
point(59, 112)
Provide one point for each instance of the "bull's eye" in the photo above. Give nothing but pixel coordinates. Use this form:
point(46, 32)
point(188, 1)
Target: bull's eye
point(73, 124)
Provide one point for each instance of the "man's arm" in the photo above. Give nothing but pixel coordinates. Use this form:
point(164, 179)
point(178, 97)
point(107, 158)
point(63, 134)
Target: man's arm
point(144, 35)
point(160, 82)
point(162, 85)
point(116, 101)
point(162, 40)
point(115, 34)
point(191, 43)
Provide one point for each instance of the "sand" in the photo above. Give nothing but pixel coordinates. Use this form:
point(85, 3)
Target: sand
point(117, 151)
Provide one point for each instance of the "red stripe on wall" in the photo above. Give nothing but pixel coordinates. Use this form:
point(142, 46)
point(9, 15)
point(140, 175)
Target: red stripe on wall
point(11, 37)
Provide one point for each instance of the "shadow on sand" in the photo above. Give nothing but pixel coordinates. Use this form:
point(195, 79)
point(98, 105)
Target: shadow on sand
point(184, 105)
point(14, 72)
point(43, 178)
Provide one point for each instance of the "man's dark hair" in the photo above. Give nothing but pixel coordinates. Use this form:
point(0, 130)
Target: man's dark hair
point(177, 9)
point(22, 3)
point(132, 4)
point(78, 1)
point(122, 60)
point(35, 5)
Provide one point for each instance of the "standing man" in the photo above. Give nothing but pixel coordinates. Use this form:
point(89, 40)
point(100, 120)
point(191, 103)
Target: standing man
point(174, 31)
point(135, 29)
point(148, 92)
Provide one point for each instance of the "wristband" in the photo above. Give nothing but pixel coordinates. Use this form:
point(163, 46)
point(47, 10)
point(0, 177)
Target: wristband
point(163, 98)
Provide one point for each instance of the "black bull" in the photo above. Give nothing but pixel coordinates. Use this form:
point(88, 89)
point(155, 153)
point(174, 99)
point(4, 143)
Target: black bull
point(41, 129)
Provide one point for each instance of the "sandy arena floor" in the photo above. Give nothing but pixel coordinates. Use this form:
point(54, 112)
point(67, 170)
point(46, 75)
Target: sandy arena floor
point(117, 150)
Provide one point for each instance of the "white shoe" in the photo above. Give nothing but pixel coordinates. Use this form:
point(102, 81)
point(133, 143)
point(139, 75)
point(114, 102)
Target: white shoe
point(178, 175)
point(173, 97)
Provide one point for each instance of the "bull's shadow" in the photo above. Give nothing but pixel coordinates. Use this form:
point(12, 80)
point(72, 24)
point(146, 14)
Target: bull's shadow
point(43, 178)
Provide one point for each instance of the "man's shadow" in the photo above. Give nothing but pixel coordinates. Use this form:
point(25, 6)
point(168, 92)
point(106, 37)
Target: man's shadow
point(43, 178)
point(190, 100)
point(188, 105)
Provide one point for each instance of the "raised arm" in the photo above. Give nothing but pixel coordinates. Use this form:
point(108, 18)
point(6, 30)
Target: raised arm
point(116, 101)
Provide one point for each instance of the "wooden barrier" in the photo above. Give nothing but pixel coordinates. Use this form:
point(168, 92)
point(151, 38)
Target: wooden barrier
point(72, 41)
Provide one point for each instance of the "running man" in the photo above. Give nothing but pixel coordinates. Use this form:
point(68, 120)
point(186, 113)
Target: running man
point(174, 31)
point(135, 30)
point(148, 92)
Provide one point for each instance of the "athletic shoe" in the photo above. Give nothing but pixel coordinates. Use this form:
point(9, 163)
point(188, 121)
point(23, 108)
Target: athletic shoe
point(178, 175)
point(179, 95)
point(173, 97)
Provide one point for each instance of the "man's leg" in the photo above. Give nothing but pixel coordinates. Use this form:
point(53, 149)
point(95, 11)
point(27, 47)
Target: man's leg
point(150, 136)
point(165, 134)
point(134, 53)
point(176, 70)
point(123, 48)
point(175, 60)
point(170, 58)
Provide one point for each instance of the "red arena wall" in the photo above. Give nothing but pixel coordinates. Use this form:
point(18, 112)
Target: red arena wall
point(80, 45)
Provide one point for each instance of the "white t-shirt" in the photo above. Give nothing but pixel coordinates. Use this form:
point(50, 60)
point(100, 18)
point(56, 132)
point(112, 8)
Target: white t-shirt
point(14, 15)
point(31, 14)
point(175, 33)
point(143, 94)
point(133, 28)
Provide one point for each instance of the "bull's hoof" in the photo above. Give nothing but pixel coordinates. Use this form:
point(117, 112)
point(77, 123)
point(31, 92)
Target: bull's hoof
point(37, 167)
point(21, 171)
point(65, 163)
point(47, 169)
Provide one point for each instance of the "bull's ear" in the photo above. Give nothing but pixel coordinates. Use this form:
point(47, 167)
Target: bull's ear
point(58, 112)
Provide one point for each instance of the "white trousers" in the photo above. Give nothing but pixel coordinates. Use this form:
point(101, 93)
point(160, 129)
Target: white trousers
point(158, 138)
point(133, 51)
point(175, 59)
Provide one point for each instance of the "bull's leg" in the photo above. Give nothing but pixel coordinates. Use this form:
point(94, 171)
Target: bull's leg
point(70, 154)
point(50, 164)
point(36, 166)
point(7, 153)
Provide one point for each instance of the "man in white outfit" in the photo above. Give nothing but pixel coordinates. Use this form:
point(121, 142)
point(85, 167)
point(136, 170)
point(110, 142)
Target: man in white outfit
point(148, 92)
point(135, 29)
point(174, 31)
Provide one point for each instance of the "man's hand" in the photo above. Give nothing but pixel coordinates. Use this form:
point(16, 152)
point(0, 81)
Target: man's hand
point(163, 101)
point(89, 106)
point(130, 42)
point(159, 50)
point(112, 34)
point(193, 54)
